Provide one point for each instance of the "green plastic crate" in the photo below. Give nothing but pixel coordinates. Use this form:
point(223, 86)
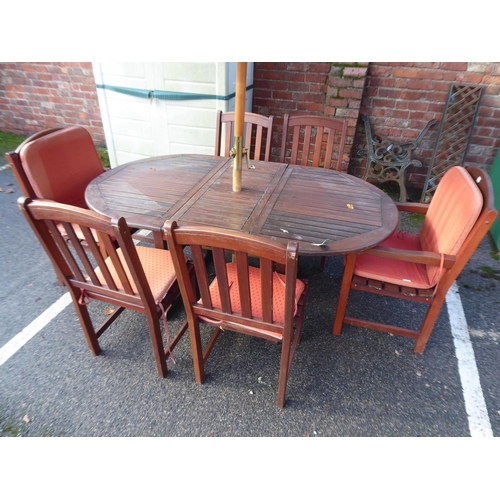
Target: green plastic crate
point(495, 179)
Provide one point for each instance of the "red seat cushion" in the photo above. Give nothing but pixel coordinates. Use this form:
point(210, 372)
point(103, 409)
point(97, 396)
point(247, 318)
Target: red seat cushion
point(394, 271)
point(61, 164)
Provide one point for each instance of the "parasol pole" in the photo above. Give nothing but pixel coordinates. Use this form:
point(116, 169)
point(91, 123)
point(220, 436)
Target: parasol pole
point(239, 119)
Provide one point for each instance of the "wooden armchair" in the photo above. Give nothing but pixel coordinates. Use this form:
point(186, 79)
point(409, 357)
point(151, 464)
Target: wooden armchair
point(257, 133)
point(317, 141)
point(421, 268)
point(241, 298)
point(134, 277)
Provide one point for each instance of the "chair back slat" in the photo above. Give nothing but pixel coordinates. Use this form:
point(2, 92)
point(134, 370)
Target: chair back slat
point(97, 254)
point(78, 247)
point(119, 269)
point(321, 140)
point(266, 290)
point(248, 136)
point(201, 275)
point(221, 272)
point(307, 145)
point(244, 284)
point(65, 252)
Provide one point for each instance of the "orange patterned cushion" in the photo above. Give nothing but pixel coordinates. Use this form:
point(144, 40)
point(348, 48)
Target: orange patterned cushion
point(157, 265)
point(452, 213)
point(394, 271)
point(256, 299)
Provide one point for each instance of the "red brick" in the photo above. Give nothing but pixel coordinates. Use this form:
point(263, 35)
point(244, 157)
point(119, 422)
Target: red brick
point(405, 73)
point(320, 67)
point(492, 89)
point(456, 66)
point(375, 70)
point(337, 103)
point(316, 77)
point(390, 93)
point(430, 74)
point(427, 65)
point(491, 80)
point(355, 94)
point(297, 66)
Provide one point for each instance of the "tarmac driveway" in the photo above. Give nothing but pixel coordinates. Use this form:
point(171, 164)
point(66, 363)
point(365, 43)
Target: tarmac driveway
point(362, 383)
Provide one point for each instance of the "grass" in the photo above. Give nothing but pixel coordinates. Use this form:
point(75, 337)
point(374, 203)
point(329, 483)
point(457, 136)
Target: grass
point(9, 142)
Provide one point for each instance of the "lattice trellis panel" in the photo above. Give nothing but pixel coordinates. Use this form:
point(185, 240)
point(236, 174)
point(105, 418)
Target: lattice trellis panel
point(462, 106)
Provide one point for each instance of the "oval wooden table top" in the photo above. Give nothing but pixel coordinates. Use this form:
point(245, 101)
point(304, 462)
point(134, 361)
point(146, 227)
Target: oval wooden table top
point(328, 212)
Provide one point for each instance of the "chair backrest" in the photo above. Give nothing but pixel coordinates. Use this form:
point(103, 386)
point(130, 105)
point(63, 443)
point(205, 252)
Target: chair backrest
point(257, 133)
point(119, 278)
point(231, 300)
point(458, 217)
point(317, 141)
point(57, 164)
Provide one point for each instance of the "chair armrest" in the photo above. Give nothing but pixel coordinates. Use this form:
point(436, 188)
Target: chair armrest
point(419, 257)
point(416, 208)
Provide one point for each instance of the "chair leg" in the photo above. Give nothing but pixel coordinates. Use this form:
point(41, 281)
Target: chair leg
point(87, 326)
point(429, 321)
point(344, 293)
point(158, 348)
point(284, 371)
point(197, 351)
point(322, 263)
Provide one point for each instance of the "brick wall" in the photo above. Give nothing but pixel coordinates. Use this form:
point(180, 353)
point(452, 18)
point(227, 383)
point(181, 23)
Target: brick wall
point(35, 96)
point(400, 98)
point(319, 88)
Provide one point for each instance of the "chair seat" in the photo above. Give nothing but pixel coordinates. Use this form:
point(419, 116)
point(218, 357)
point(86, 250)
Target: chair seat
point(158, 268)
point(254, 277)
point(398, 272)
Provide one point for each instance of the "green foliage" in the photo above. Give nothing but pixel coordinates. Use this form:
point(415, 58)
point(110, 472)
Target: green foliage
point(104, 157)
point(488, 272)
point(8, 143)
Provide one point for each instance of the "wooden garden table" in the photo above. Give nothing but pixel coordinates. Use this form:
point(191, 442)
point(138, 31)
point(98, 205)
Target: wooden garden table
point(328, 212)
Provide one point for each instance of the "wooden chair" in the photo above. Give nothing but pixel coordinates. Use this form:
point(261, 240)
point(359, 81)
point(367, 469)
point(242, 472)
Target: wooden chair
point(422, 267)
point(258, 130)
point(314, 141)
point(241, 298)
point(133, 277)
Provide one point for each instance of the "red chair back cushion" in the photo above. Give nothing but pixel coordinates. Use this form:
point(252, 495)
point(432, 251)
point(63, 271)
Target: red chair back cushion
point(60, 165)
point(452, 213)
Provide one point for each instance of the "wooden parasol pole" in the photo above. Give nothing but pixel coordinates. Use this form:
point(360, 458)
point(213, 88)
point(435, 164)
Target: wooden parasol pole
point(239, 123)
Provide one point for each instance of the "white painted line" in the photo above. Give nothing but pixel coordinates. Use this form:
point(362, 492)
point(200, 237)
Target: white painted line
point(13, 345)
point(475, 406)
